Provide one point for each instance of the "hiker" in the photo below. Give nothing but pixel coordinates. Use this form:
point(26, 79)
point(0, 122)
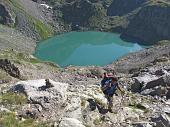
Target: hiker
point(105, 78)
point(109, 89)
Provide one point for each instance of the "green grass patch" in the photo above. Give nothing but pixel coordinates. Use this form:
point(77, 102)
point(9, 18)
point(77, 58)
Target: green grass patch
point(44, 30)
point(4, 76)
point(10, 120)
point(97, 121)
point(13, 98)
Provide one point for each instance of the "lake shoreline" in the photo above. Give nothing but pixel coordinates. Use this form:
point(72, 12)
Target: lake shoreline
point(93, 45)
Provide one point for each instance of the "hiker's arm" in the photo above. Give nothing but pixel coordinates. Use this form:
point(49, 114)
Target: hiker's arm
point(120, 88)
point(103, 88)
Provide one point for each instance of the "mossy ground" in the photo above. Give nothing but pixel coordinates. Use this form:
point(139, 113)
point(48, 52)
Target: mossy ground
point(13, 99)
point(10, 120)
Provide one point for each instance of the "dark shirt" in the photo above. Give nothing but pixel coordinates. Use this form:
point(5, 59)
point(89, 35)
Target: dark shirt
point(103, 82)
point(111, 90)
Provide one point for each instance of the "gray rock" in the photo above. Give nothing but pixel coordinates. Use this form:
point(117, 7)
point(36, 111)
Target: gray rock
point(158, 90)
point(160, 72)
point(70, 122)
point(6, 16)
point(167, 110)
point(143, 124)
point(159, 81)
point(145, 81)
point(10, 68)
point(73, 108)
point(168, 94)
point(50, 99)
point(167, 79)
point(136, 86)
point(161, 120)
point(2, 109)
point(152, 83)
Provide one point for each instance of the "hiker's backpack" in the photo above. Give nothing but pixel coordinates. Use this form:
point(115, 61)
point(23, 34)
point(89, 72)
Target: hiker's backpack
point(112, 89)
point(108, 90)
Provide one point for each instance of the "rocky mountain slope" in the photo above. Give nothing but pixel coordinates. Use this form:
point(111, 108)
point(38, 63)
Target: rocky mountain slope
point(75, 99)
point(26, 16)
point(13, 39)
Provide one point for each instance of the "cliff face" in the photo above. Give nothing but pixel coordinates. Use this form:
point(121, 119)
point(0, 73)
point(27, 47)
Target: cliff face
point(84, 13)
point(77, 12)
point(5, 15)
point(151, 24)
point(122, 7)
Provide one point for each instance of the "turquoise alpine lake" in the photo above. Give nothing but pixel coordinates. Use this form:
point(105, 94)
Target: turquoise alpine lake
point(84, 48)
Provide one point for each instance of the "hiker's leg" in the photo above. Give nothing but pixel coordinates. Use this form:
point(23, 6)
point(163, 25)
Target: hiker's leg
point(110, 102)
point(107, 97)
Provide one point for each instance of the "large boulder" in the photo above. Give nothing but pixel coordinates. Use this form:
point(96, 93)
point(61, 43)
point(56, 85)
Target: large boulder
point(158, 90)
point(153, 82)
point(143, 81)
point(50, 99)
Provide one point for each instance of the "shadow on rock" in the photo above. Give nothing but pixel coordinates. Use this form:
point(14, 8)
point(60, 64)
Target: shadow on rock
point(94, 105)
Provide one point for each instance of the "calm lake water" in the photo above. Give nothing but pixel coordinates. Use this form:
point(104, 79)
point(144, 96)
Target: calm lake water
point(85, 48)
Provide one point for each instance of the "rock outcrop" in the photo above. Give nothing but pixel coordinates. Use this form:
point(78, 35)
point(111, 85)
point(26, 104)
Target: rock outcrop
point(6, 16)
point(46, 101)
point(150, 25)
point(122, 7)
point(10, 68)
point(148, 57)
point(83, 13)
point(153, 81)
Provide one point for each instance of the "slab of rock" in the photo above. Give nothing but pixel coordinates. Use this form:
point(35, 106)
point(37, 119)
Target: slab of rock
point(151, 83)
point(70, 122)
point(158, 90)
point(50, 99)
